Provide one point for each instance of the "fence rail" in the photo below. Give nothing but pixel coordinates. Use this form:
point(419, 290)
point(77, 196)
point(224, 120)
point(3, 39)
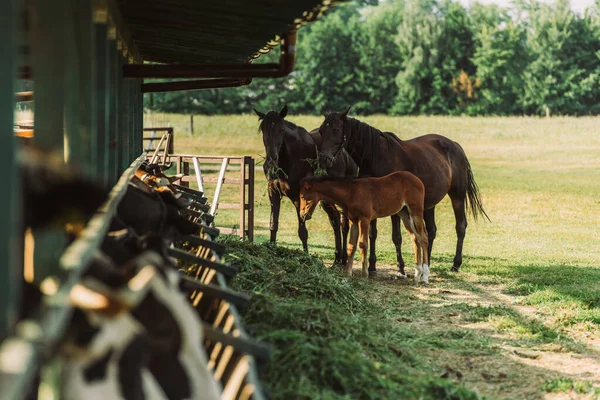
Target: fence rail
point(244, 165)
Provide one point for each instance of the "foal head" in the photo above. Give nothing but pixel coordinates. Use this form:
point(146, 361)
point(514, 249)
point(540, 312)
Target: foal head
point(272, 126)
point(309, 199)
point(333, 138)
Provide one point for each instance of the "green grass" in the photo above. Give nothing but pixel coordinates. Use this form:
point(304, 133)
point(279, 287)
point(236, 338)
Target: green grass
point(559, 385)
point(529, 279)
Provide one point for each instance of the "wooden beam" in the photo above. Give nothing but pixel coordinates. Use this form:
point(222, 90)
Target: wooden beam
point(102, 94)
point(123, 31)
point(48, 61)
point(10, 276)
point(194, 85)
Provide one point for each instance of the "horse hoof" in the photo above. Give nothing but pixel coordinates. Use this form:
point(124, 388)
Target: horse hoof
point(454, 269)
point(400, 275)
point(372, 274)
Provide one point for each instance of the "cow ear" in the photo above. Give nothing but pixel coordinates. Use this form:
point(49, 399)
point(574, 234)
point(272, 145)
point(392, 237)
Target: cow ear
point(345, 112)
point(283, 111)
point(260, 115)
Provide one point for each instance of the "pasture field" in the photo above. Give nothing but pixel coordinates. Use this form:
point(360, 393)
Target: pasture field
point(520, 321)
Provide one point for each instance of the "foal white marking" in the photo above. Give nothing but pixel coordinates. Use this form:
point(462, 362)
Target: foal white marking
point(425, 273)
point(418, 273)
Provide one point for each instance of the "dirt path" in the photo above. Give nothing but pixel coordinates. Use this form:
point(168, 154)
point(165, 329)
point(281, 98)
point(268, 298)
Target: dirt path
point(483, 338)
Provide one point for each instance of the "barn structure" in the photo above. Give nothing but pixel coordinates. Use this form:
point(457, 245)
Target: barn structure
point(87, 60)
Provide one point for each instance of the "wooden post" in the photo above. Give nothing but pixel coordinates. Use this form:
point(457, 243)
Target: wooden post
point(112, 103)
point(242, 197)
point(250, 204)
point(186, 171)
point(192, 124)
point(10, 272)
point(49, 65)
point(102, 93)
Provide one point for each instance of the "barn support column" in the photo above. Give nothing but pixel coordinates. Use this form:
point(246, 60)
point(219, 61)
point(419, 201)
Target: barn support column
point(102, 92)
point(49, 59)
point(112, 103)
point(9, 257)
point(79, 84)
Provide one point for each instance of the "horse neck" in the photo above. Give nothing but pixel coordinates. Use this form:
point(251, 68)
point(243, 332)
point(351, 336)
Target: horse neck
point(364, 145)
point(334, 191)
point(297, 146)
point(295, 135)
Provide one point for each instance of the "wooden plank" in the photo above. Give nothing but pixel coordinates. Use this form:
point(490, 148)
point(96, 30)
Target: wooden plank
point(102, 93)
point(80, 86)
point(250, 205)
point(9, 211)
point(123, 30)
point(241, 207)
point(112, 104)
point(48, 62)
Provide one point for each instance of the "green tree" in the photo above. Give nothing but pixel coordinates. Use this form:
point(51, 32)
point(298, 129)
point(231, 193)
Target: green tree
point(563, 75)
point(380, 60)
point(500, 57)
point(436, 44)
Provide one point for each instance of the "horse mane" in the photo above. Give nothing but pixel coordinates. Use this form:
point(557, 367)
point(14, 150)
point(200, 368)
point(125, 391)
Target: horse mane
point(274, 116)
point(367, 138)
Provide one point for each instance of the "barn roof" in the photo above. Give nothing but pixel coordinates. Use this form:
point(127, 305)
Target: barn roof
point(226, 31)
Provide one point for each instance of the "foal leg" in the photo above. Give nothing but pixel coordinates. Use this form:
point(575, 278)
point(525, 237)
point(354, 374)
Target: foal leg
point(410, 227)
point(397, 239)
point(275, 200)
point(334, 220)
point(351, 246)
point(458, 205)
point(345, 229)
point(302, 231)
point(423, 245)
point(372, 256)
point(429, 216)
point(363, 230)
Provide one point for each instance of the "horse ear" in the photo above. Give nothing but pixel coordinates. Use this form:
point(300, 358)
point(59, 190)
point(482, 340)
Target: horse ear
point(260, 115)
point(345, 112)
point(283, 111)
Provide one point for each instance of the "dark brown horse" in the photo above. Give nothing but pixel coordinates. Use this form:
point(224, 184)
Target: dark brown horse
point(365, 199)
point(439, 162)
point(288, 148)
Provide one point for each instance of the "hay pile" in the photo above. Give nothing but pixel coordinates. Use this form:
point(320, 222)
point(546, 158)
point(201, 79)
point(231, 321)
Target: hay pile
point(329, 341)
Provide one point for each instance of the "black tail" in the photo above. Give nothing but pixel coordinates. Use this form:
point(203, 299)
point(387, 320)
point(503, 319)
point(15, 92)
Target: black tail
point(473, 194)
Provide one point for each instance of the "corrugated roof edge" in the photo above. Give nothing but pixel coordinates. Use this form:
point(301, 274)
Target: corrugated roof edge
point(307, 17)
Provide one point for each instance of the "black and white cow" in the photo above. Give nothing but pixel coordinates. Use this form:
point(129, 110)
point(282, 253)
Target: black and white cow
point(136, 336)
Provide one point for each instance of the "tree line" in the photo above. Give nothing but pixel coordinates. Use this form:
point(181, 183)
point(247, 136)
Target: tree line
point(434, 57)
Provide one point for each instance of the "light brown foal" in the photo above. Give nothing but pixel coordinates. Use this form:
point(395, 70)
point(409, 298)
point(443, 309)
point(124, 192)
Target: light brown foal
point(365, 199)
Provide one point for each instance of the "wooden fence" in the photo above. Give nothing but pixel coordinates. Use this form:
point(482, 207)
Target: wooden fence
point(204, 168)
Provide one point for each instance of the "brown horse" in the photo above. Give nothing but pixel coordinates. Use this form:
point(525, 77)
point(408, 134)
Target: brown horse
point(440, 163)
point(364, 200)
point(288, 148)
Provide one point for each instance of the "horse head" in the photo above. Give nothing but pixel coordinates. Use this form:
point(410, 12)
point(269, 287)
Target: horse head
point(333, 137)
point(273, 127)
